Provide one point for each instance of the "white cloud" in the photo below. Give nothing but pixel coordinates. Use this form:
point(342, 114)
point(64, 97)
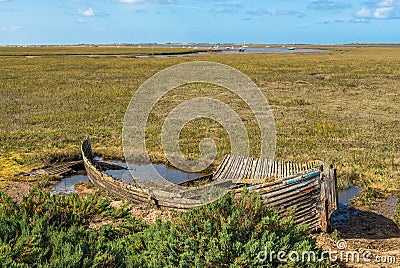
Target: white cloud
point(87, 13)
point(190, 7)
point(328, 5)
point(363, 13)
point(359, 21)
point(11, 28)
point(383, 12)
point(15, 27)
point(388, 3)
point(226, 7)
point(385, 9)
point(289, 12)
point(259, 12)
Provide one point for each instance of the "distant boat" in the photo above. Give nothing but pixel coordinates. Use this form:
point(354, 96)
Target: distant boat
point(243, 47)
point(292, 47)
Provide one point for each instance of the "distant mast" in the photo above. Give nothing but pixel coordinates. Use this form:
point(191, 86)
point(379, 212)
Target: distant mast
point(292, 47)
point(243, 47)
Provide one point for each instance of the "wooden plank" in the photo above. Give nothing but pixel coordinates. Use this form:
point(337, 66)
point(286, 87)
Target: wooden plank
point(312, 198)
point(264, 171)
point(225, 161)
point(258, 171)
point(247, 169)
point(279, 170)
point(312, 219)
point(258, 177)
point(292, 189)
point(290, 197)
point(271, 168)
point(307, 211)
point(235, 170)
point(224, 169)
point(299, 208)
point(287, 188)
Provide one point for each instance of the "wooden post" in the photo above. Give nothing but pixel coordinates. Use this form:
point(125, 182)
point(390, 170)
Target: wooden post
point(325, 224)
point(323, 195)
point(336, 203)
point(329, 199)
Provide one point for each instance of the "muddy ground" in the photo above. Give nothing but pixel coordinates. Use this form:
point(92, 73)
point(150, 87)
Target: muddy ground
point(366, 230)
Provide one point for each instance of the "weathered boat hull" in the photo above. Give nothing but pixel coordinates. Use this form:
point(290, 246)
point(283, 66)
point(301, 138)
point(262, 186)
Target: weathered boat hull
point(304, 186)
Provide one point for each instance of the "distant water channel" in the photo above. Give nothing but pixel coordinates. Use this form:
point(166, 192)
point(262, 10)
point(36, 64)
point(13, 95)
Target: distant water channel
point(235, 50)
point(281, 50)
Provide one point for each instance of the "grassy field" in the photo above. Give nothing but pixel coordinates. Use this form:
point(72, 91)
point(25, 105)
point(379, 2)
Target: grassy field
point(339, 107)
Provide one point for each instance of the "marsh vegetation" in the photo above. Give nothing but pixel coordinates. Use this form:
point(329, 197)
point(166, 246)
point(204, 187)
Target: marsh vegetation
point(339, 107)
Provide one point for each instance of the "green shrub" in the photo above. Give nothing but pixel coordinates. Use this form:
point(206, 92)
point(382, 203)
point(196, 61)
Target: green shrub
point(227, 233)
point(46, 230)
point(53, 230)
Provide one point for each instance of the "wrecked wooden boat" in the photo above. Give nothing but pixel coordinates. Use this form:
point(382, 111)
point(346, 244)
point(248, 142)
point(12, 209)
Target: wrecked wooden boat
point(307, 187)
point(61, 169)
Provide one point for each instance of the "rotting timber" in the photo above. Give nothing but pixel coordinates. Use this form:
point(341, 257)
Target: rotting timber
point(60, 169)
point(307, 187)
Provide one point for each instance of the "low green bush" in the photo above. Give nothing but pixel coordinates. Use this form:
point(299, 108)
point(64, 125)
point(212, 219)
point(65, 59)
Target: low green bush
point(46, 230)
point(230, 232)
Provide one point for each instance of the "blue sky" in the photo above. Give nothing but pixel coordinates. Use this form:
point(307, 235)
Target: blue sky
point(220, 21)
